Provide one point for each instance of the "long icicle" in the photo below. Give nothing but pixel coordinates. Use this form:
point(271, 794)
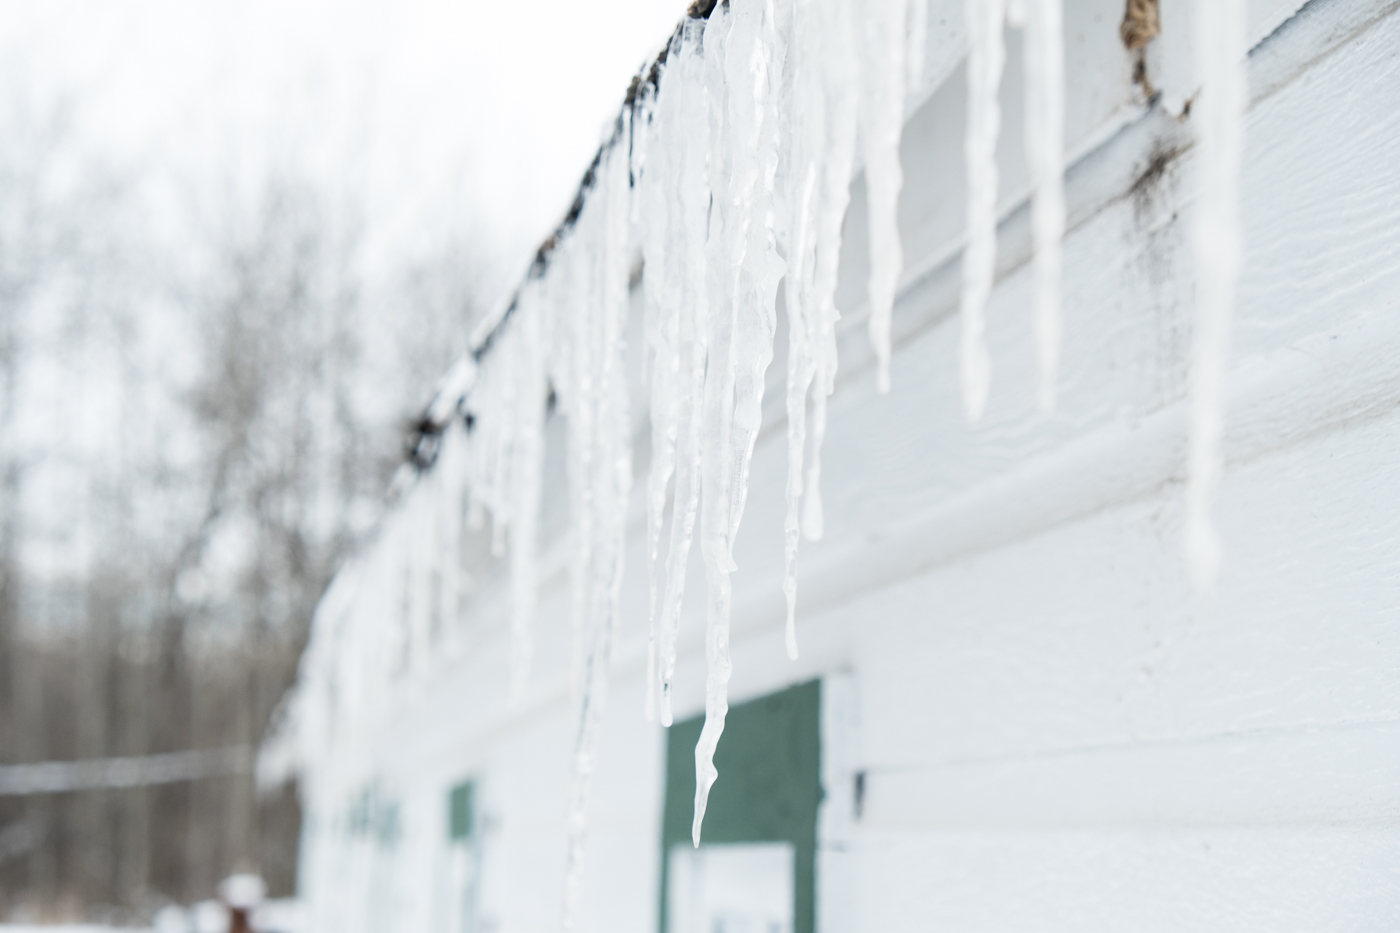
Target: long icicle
point(528, 468)
point(985, 59)
point(661, 288)
point(688, 224)
point(1220, 38)
point(883, 79)
point(758, 118)
point(806, 125)
point(608, 474)
point(753, 60)
point(730, 31)
point(841, 79)
point(801, 368)
point(822, 123)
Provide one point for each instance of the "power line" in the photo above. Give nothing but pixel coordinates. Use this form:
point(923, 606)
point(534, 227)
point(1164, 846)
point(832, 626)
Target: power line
point(56, 777)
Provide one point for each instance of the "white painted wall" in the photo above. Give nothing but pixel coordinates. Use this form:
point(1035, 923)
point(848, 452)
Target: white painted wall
point(1057, 732)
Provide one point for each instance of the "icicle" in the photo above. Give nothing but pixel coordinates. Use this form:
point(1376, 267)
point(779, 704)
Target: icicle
point(1045, 154)
point(883, 79)
point(799, 380)
point(502, 438)
point(451, 468)
point(729, 32)
point(528, 467)
point(571, 286)
point(1221, 49)
point(822, 127)
point(659, 176)
point(841, 81)
point(756, 147)
point(743, 71)
point(985, 58)
point(687, 144)
point(603, 464)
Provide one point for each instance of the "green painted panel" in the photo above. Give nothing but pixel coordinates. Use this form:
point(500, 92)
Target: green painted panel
point(372, 813)
point(768, 790)
point(461, 818)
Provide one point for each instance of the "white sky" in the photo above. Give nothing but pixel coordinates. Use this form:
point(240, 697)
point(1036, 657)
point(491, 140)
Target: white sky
point(427, 107)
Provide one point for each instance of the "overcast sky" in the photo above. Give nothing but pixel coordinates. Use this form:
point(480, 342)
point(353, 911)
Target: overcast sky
point(426, 107)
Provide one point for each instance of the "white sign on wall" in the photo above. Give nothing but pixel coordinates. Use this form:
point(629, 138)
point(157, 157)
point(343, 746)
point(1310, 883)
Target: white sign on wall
point(745, 888)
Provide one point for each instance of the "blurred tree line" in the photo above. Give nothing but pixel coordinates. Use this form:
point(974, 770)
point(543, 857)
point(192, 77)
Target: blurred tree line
point(202, 397)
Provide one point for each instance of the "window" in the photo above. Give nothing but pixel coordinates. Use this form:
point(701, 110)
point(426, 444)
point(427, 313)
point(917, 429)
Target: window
point(461, 818)
point(463, 863)
point(755, 871)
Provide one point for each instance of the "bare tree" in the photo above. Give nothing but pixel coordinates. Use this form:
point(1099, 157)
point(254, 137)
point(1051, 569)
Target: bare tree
point(189, 446)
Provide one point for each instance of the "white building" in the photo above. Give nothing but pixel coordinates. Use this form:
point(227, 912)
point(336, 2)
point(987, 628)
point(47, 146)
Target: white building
point(1011, 709)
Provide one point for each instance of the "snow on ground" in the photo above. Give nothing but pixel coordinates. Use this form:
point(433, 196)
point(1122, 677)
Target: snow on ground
point(67, 928)
point(275, 916)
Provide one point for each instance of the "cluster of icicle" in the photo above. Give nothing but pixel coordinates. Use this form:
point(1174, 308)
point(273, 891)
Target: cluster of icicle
point(745, 147)
point(744, 150)
point(729, 171)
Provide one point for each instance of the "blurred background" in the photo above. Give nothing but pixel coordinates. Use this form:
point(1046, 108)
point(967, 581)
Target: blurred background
point(239, 241)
